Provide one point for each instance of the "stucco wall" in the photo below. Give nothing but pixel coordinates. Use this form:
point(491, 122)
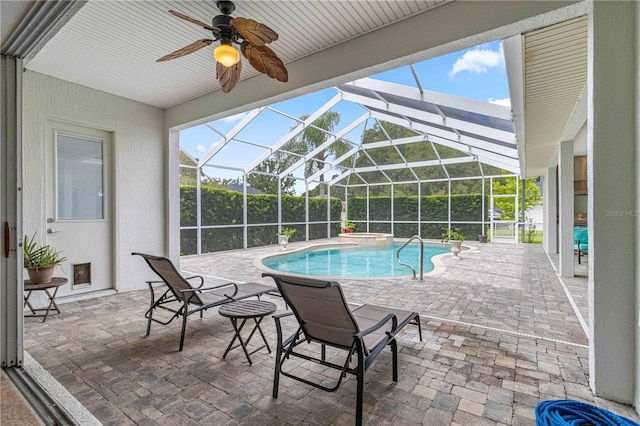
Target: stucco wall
point(138, 157)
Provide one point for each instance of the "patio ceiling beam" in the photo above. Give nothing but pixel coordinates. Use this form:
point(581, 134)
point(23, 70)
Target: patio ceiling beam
point(396, 142)
point(213, 129)
point(327, 143)
point(295, 131)
point(428, 163)
point(436, 119)
point(471, 105)
point(463, 143)
point(416, 77)
point(220, 166)
point(230, 135)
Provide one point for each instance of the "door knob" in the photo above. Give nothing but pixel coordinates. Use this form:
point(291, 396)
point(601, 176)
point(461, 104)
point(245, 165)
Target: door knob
point(51, 231)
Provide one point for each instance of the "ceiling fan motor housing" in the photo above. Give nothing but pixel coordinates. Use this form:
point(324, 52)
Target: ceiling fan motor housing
point(227, 31)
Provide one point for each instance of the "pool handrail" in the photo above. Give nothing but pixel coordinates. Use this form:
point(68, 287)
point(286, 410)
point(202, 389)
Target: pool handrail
point(419, 238)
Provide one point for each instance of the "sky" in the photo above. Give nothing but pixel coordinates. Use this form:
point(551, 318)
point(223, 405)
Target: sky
point(476, 73)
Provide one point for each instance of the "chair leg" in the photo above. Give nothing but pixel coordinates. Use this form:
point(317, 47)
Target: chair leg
point(394, 355)
point(276, 373)
point(149, 321)
point(419, 324)
point(360, 387)
point(184, 329)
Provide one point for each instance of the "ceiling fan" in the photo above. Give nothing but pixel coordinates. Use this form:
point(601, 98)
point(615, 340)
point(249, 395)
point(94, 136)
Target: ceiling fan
point(252, 37)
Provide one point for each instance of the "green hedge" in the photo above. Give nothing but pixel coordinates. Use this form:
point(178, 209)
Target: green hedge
point(464, 208)
point(222, 207)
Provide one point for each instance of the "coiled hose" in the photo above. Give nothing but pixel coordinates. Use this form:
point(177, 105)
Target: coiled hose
point(575, 413)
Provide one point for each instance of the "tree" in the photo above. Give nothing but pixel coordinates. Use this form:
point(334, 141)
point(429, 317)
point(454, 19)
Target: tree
point(506, 186)
point(269, 184)
point(313, 137)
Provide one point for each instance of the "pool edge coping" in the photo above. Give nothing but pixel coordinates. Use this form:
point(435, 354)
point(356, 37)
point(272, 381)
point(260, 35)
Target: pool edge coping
point(438, 264)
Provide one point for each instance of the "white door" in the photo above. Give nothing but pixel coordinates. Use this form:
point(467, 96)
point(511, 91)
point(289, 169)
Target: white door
point(79, 206)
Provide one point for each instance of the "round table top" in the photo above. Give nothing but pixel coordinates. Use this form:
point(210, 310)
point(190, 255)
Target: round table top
point(247, 309)
point(55, 282)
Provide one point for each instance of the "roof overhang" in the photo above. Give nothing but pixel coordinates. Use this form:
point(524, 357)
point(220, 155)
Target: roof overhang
point(547, 71)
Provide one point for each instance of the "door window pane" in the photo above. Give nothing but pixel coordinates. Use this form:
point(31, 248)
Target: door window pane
point(79, 178)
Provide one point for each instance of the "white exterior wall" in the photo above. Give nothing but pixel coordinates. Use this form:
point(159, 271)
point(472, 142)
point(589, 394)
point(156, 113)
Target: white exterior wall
point(612, 199)
point(565, 208)
point(139, 166)
point(550, 211)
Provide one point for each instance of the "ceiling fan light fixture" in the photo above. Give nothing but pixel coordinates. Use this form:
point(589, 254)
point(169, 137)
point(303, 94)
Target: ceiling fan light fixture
point(226, 54)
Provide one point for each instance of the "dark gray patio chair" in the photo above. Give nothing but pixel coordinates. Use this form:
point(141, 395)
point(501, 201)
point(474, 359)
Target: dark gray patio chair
point(324, 317)
point(184, 299)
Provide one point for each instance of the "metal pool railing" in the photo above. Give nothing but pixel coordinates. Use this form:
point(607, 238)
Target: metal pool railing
point(415, 237)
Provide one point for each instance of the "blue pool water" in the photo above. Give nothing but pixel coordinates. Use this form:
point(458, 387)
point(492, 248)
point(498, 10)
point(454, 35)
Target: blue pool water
point(355, 262)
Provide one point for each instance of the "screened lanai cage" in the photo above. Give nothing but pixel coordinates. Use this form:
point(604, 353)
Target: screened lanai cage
point(389, 157)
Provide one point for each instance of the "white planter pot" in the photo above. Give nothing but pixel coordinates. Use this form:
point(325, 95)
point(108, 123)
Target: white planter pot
point(283, 240)
point(455, 248)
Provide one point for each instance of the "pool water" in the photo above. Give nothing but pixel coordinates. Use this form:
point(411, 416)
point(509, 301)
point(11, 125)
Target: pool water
point(356, 262)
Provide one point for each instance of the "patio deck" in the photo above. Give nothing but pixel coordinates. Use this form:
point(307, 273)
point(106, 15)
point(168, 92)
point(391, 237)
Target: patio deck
point(500, 335)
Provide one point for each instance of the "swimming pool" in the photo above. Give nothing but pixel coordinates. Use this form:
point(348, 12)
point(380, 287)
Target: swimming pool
point(355, 262)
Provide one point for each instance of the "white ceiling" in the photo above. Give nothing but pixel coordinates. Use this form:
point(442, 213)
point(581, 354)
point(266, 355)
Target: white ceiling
point(113, 45)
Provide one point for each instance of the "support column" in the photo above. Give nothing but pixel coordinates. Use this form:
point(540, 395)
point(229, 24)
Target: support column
point(612, 162)
point(565, 163)
point(172, 188)
point(11, 294)
point(637, 202)
point(550, 211)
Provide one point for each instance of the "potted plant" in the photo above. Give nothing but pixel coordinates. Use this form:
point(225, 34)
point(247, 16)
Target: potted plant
point(455, 239)
point(349, 227)
point(40, 261)
point(283, 236)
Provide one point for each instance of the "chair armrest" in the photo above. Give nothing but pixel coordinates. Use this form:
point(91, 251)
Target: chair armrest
point(282, 315)
point(383, 321)
point(288, 340)
point(200, 289)
point(199, 277)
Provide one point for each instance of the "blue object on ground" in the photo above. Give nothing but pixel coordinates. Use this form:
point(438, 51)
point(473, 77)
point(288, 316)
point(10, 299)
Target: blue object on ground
point(576, 413)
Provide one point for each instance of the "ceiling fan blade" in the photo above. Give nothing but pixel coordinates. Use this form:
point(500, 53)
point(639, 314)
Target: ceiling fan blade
point(193, 47)
point(195, 21)
point(266, 61)
point(228, 76)
point(254, 32)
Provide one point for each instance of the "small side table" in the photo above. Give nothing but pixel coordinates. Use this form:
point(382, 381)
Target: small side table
point(29, 287)
point(245, 310)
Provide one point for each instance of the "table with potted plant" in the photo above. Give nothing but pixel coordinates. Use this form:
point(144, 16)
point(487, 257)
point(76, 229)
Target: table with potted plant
point(40, 262)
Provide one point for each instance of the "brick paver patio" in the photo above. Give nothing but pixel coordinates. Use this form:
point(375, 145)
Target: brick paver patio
point(499, 336)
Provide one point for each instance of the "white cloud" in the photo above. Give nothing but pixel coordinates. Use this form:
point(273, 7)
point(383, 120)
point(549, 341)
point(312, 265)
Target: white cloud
point(234, 118)
point(505, 101)
point(478, 61)
point(201, 148)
